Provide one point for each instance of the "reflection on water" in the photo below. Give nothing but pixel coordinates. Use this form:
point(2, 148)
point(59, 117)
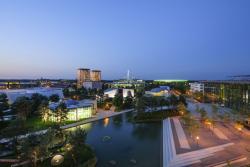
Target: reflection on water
point(87, 127)
point(106, 122)
point(118, 140)
point(117, 121)
point(145, 132)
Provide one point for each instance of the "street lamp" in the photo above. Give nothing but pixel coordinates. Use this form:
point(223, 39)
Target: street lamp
point(197, 140)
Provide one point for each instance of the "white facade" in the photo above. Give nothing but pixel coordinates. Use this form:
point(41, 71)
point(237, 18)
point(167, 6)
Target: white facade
point(110, 93)
point(113, 91)
point(13, 94)
point(126, 92)
point(196, 87)
point(163, 91)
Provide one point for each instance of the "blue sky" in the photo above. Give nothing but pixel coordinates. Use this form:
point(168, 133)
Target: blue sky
point(177, 39)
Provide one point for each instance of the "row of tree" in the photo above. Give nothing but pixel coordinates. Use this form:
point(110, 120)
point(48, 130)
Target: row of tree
point(36, 150)
point(123, 103)
point(3, 104)
point(154, 102)
point(81, 93)
point(25, 107)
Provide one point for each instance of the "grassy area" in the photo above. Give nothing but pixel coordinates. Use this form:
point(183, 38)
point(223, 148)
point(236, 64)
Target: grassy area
point(30, 125)
point(85, 157)
point(155, 116)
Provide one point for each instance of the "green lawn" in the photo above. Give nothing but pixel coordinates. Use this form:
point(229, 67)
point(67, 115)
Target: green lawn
point(36, 123)
point(30, 125)
point(155, 115)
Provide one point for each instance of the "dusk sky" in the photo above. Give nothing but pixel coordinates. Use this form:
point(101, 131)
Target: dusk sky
point(177, 39)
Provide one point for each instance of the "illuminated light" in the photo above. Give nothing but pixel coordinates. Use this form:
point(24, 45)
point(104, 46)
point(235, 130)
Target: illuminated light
point(238, 126)
point(68, 147)
point(197, 138)
point(106, 122)
point(57, 160)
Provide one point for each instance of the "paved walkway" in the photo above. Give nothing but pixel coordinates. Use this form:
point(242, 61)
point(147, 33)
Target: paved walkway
point(180, 134)
point(219, 134)
point(171, 159)
point(99, 116)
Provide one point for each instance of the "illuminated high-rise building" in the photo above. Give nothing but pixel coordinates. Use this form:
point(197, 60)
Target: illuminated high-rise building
point(83, 75)
point(89, 79)
point(96, 75)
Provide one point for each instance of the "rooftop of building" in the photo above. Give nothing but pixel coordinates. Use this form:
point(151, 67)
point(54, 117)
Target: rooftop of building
point(96, 70)
point(71, 104)
point(170, 80)
point(87, 69)
point(159, 89)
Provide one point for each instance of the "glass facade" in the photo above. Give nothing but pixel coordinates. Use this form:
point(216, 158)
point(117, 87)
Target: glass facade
point(79, 113)
point(233, 95)
point(75, 114)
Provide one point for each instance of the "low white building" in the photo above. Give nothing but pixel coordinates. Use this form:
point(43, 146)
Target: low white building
point(128, 92)
point(13, 94)
point(113, 91)
point(160, 91)
point(197, 87)
point(110, 93)
point(77, 110)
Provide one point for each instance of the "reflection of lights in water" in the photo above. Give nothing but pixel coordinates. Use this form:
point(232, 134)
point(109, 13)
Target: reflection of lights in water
point(86, 127)
point(106, 122)
point(57, 160)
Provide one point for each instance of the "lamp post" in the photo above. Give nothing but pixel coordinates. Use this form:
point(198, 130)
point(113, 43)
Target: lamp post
point(197, 140)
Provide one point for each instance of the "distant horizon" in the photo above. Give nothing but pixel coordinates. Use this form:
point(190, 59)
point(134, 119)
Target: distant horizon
point(58, 78)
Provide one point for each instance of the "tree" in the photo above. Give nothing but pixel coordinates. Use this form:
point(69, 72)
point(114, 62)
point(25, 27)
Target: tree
point(140, 105)
point(191, 124)
point(1, 115)
point(182, 109)
point(182, 99)
point(78, 137)
point(215, 110)
point(118, 101)
point(61, 113)
point(3, 102)
point(203, 114)
point(163, 102)
point(54, 98)
point(36, 100)
point(44, 111)
point(22, 107)
point(66, 92)
point(128, 102)
point(81, 93)
point(76, 143)
point(173, 100)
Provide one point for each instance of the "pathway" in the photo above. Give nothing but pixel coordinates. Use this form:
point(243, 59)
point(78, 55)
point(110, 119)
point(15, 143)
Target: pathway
point(219, 134)
point(171, 159)
point(180, 134)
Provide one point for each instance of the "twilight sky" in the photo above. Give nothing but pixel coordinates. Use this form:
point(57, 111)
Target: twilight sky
point(155, 39)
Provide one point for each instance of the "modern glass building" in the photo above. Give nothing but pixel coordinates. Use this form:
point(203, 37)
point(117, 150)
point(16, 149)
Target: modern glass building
point(233, 94)
point(77, 110)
